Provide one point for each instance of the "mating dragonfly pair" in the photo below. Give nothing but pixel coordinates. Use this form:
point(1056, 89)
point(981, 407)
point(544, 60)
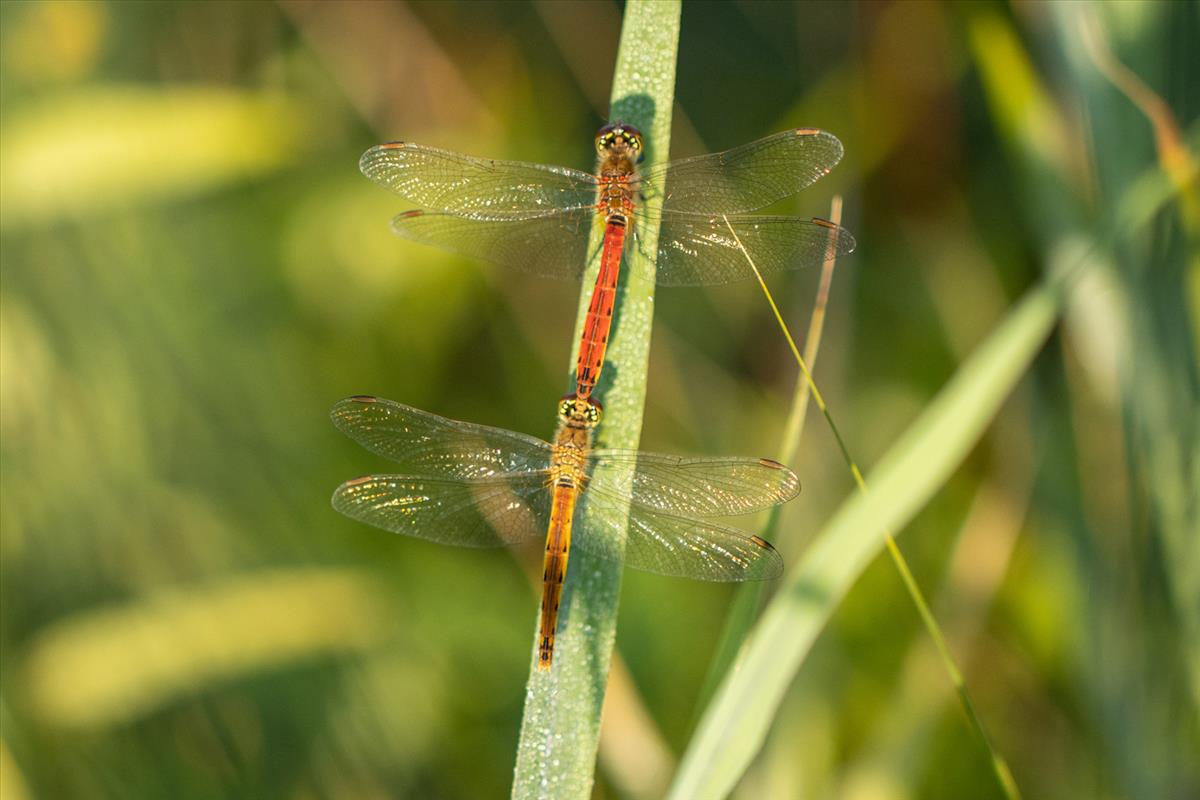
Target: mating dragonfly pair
point(478, 486)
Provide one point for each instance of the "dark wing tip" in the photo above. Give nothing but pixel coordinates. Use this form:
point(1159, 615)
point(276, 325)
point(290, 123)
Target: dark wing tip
point(817, 133)
point(845, 239)
point(366, 164)
point(758, 540)
point(789, 483)
point(344, 409)
point(769, 558)
point(341, 495)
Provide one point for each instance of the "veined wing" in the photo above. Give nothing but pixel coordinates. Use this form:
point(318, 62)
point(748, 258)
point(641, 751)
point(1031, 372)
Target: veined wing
point(431, 445)
point(502, 509)
point(475, 187)
point(552, 244)
point(669, 545)
point(698, 249)
point(702, 487)
point(745, 178)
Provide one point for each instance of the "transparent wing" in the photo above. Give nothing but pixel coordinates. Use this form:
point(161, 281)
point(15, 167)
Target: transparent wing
point(702, 487)
point(477, 187)
point(670, 545)
point(428, 444)
point(480, 513)
point(745, 178)
point(696, 249)
point(553, 244)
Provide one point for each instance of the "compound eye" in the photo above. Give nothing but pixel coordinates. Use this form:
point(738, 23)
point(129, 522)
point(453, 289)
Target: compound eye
point(605, 137)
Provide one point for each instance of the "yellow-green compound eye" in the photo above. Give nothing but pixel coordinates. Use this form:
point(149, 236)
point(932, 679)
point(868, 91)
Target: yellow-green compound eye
point(593, 414)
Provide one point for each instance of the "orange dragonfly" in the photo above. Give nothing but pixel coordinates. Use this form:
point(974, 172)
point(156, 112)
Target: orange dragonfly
point(477, 486)
point(538, 218)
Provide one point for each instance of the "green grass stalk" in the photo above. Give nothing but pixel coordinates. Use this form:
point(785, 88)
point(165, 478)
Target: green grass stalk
point(999, 764)
point(747, 601)
point(560, 728)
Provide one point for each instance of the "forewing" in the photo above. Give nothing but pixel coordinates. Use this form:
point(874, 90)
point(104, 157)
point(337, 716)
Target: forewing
point(477, 187)
point(701, 487)
point(748, 177)
point(695, 249)
point(487, 512)
point(552, 244)
point(427, 444)
point(670, 545)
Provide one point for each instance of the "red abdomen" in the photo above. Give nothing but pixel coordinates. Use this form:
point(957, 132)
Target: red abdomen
point(599, 317)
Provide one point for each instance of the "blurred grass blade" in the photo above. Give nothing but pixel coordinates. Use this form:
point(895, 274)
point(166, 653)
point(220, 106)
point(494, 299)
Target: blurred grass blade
point(560, 728)
point(734, 727)
point(85, 152)
point(12, 782)
point(1173, 156)
point(634, 755)
point(1161, 394)
point(1000, 765)
point(113, 665)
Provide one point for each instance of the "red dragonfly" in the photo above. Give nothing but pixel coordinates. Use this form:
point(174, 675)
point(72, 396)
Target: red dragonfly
point(539, 218)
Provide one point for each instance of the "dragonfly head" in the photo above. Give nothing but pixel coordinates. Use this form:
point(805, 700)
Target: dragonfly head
point(582, 413)
point(620, 139)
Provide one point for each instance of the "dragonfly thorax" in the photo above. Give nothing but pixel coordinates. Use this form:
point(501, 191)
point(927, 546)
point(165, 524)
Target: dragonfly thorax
point(616, 196)
point(568, 464)
point(577, 419)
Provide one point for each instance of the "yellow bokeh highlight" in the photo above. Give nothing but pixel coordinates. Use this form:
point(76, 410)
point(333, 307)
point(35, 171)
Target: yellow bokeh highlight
point(98, 147)
point(56, 41)
point(12, 782)
point(116, 664)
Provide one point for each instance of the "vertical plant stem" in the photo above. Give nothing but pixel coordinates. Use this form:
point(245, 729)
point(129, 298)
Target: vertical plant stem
point(748, 599)
point(561, 725)
point(812, 344)
point(1000, 766)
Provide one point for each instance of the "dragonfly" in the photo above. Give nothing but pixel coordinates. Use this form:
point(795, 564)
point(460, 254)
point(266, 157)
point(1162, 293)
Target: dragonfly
point(539, 218)
point(477, 486)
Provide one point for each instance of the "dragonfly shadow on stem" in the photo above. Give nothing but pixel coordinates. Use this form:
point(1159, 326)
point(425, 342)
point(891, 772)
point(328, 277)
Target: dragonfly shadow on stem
point(637, 109)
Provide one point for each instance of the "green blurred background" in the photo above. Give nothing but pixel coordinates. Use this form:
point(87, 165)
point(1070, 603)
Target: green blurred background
point(194, 271)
